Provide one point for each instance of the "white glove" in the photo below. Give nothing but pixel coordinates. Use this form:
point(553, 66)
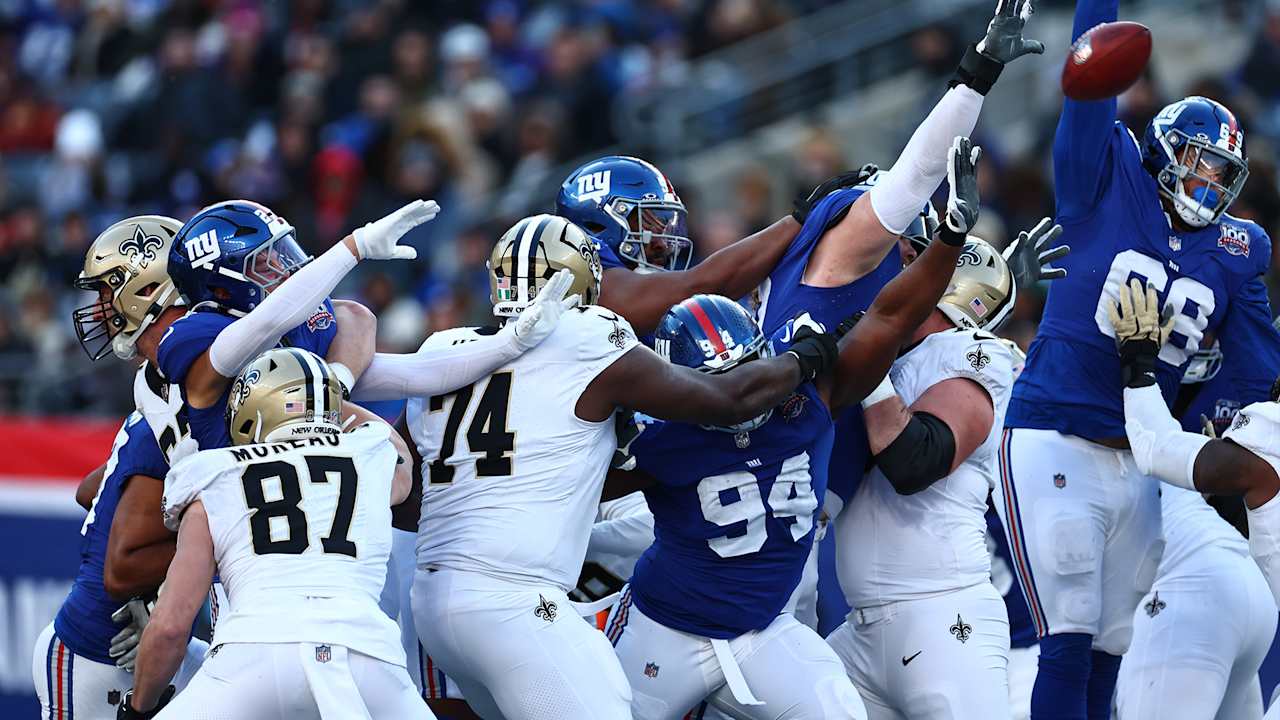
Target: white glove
point(540, 318)
point(377, 240)
point(124, 646)
point(186, 446)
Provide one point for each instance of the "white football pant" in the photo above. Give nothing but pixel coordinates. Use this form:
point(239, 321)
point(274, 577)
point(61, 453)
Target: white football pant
point(517, 652)
point(1024, 662)
point(786, 667)
point(1084, 529)
point(300, 681)
point(1198, 640)
point(72, 686)
point(930, 659)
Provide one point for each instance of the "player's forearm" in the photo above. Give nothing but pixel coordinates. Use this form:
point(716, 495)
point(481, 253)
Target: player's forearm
point(885, 421)
point(137, 571)
point(1093, 12)
point(355, 340)
point(738, 269)
point(900, 193)
point(434, 370)
point(734, 397)
point(288, 305)
point(1084, 130)
point(1160, 446)
point(160, 654)
point(627, 536)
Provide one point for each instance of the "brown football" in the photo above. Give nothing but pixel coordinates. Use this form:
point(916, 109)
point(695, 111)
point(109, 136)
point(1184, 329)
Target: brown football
point(1106, 60)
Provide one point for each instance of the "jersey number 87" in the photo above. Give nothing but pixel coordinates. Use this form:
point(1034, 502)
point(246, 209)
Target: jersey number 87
point(1192, 302)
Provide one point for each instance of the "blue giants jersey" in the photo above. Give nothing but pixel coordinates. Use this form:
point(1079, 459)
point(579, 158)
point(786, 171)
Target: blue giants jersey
point(1245, 378)
point(191, 335)
point(1112, 218)
point(733, 518)
point(84, 621)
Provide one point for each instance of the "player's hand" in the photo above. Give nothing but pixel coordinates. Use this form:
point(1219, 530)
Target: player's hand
point(1027, 258)
point(962, 201)
point(626, 429)
point(1140, 331)
point(1207, 428)
point(125, 710)
point(1004, 41)
point(815, 351)
point(124, 646)
point(540, 318)
point(377, 240)
point(803, 205)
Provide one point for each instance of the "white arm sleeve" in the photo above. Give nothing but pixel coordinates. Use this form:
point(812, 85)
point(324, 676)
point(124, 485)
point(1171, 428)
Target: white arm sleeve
point(1160, 446)
point(288, 305)
point(434, 370)
point(627, 536)
point(900, 193)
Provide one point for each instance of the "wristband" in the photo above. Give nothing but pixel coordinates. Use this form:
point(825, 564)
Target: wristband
point(977, 71)
point(344, 376)
point(883, 391)
point(950, 237)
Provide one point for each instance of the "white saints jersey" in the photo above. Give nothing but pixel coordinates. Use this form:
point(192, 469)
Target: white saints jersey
point(900, 547)
point(301, 532)
point(1190, 525)
point(1257, 429)
point(160, 402)
point(511, 475)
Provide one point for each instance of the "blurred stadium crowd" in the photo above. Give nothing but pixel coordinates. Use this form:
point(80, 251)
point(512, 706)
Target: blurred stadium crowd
point(335, 112)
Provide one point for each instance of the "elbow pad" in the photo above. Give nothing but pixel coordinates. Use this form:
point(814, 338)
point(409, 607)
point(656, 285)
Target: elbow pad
point(920, 456)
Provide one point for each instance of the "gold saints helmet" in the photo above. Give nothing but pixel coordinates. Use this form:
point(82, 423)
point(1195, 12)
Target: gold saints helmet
point(127, 267)
point(284, 393)
point(982, 292)
point(531, 252)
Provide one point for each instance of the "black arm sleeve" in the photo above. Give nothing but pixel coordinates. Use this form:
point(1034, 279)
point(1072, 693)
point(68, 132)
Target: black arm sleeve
point(920, 456)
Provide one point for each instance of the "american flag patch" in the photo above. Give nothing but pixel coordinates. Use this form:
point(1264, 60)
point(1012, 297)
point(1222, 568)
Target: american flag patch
point(292, 406)
point(978, 306)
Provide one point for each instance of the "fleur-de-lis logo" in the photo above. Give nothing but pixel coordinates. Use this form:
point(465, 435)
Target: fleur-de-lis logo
point(546, 609)
point(141, 248)
point(1154, 607)
point(978, 359)
point(961, 629)
point(1241, 421)
point(619, 336)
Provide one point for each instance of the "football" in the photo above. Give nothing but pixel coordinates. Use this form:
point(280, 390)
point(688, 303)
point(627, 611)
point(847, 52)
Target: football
point(1106, 60)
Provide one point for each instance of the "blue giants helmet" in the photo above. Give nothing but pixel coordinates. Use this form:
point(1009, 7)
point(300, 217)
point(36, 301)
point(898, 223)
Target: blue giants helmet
point(1195, 150)
point(230, 255)
point(630, 207)
point(712, 334)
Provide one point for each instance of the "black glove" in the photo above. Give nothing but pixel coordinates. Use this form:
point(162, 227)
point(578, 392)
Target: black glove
point(125, 710)
point(1027, 258)
point(962, 200)
point(626, 429)
point(981, 65)
point(852, 178)
point(816, 352)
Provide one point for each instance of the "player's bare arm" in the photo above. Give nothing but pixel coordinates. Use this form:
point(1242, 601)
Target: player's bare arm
point(353, 416)
point(641, 380)
point(869, 349)
point(87, 490)
point(354, 343)
point(858, 243)
point(295, 298)
point(139, 547)
point(165, 639)
point(733, 271)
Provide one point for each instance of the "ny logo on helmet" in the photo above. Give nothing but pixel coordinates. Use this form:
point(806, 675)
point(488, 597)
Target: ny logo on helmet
point(203, 249)
point(594, 186)
point(141, 248)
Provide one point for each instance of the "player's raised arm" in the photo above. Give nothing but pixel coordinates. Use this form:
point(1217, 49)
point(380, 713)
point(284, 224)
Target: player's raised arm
point(641, 380)
point(164, 642)
point(435, 370)
point(1082, 141)
point(295, 299)
point(857, 244)
point(354, 342)
point(869, 349)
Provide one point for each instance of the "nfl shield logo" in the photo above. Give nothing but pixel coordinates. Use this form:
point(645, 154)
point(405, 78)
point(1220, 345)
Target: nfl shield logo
point(651, 670)
point(323, 653)
point(1059, 480)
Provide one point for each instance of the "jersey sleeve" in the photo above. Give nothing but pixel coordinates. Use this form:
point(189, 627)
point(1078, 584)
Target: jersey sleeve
point(983, 359)
point(184, 482)
point(655, 449)
point(141, 455)
point(604, 336)
point(188, 338)
point(317, 333)
point(1083, 143)
point(1257, 429)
